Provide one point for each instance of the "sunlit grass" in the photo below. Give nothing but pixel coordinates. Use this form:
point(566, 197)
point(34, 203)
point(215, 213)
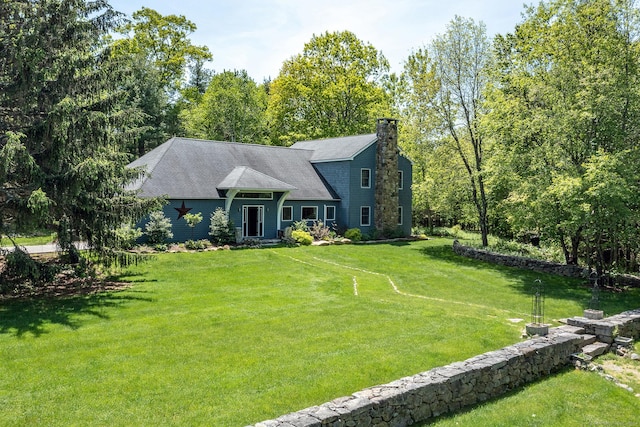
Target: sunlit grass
point(229, 338)
point(37, 239)
point(569, 399)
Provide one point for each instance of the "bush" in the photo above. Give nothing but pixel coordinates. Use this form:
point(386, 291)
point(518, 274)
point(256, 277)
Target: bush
point(353, 234)
point(192, 220)
point(196, 245)
point(300, 225)
point(20, 266)
point(158, 229)
point(128, 236)
point(319, 231)
point(221, 229)
point(302, 237)
point(160, 247)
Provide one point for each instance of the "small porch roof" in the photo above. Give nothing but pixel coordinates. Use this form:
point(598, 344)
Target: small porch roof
point(245, 178)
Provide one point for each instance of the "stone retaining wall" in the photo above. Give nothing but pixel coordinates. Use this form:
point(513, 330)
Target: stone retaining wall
point(520, 262)
point(537, 265)
point(441, 390)
point(625, 324)
point(449, 388)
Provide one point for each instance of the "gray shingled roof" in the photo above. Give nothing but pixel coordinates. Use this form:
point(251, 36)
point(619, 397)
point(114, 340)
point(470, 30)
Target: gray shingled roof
point(184, 168)
point(336, 149)
point(245, 178)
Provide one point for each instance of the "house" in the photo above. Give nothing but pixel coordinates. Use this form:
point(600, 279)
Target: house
point(357, 181)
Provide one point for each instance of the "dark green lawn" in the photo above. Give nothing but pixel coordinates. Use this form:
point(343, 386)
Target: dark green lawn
point(229, 338)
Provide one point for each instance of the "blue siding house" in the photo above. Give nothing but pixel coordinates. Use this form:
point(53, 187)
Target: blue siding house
point(265, 188)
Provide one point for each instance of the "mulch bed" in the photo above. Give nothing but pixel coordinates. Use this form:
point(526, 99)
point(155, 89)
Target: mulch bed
point(64, 285)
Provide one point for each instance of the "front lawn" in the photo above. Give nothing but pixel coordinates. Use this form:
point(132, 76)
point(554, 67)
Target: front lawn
point(229, 338)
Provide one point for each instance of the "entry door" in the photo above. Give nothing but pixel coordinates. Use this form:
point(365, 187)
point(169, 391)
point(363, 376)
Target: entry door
point(252, 221)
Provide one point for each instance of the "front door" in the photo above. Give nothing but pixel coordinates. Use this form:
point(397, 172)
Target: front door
point(252, 221)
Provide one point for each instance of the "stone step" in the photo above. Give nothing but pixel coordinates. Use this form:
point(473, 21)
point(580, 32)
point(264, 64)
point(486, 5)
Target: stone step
point(571, 329)
point(588, 339)
point(595, 349)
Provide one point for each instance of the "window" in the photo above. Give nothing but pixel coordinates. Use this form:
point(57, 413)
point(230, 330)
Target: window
point(399, 215)
point(287, 213)
point(262, 196)
point(365, 215)
point(309, 213)
point(329, 213)
point(400, 180)
point(365, 178)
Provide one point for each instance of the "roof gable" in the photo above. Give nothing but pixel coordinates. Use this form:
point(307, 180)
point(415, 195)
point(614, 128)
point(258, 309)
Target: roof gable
point(336, 149)
point(245, 178)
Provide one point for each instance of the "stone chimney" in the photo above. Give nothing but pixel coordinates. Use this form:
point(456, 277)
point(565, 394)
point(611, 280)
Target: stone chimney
point(386, 190)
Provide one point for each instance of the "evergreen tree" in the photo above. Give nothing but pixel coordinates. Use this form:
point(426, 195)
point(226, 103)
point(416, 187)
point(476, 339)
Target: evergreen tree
point(63, 119)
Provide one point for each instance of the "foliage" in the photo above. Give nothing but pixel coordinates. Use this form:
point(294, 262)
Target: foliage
point(221, 228)
point(64, 117)
point(353, 234)
point(302, 237)
point(233, 108)
point(158, 228)
point(333, 88)
point(300, 225)
point(196, 245)
point(164, 42)
point(319, 231)
point(444, 93)
point(565, 110)
point(192, 220)
point(128, 236)
point(20, 264)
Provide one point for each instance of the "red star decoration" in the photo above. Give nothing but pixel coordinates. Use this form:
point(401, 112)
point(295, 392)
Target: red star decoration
point(182, 211)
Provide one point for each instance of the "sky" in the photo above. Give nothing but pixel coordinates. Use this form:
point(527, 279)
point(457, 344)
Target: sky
point(259, 35)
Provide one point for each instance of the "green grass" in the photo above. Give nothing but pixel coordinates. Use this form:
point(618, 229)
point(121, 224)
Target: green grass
point(37, 239)
point(569, 399)
point(229, 338)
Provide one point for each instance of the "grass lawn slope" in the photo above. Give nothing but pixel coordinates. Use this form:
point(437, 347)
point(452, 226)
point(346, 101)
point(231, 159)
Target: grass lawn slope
point(229, 338)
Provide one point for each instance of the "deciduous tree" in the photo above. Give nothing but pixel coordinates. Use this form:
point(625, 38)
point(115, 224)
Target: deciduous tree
point(333, 88)
point(233, 108)
point(446, 83)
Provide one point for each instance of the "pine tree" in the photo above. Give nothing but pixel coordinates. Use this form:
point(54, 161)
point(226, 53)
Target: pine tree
point(63, 120)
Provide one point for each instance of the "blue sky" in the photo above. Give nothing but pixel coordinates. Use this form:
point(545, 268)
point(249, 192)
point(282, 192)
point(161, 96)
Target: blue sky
point(259, 35)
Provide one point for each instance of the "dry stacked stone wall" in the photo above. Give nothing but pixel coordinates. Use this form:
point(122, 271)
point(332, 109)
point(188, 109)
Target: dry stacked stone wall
point(449, 388)
point(520, 262)
point(441, 390)
point(536, 265)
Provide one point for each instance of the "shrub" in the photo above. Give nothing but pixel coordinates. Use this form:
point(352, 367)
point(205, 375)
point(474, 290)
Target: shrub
point(287, 238)
point(195, 245)
point(221, 229)
point(20, 266)
point(160, 247)
point(302, 237)
point(158, 229)
point(192, 220)
point(300, 225)
point(128, 236)
point(353, 234)
point(319, 231)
